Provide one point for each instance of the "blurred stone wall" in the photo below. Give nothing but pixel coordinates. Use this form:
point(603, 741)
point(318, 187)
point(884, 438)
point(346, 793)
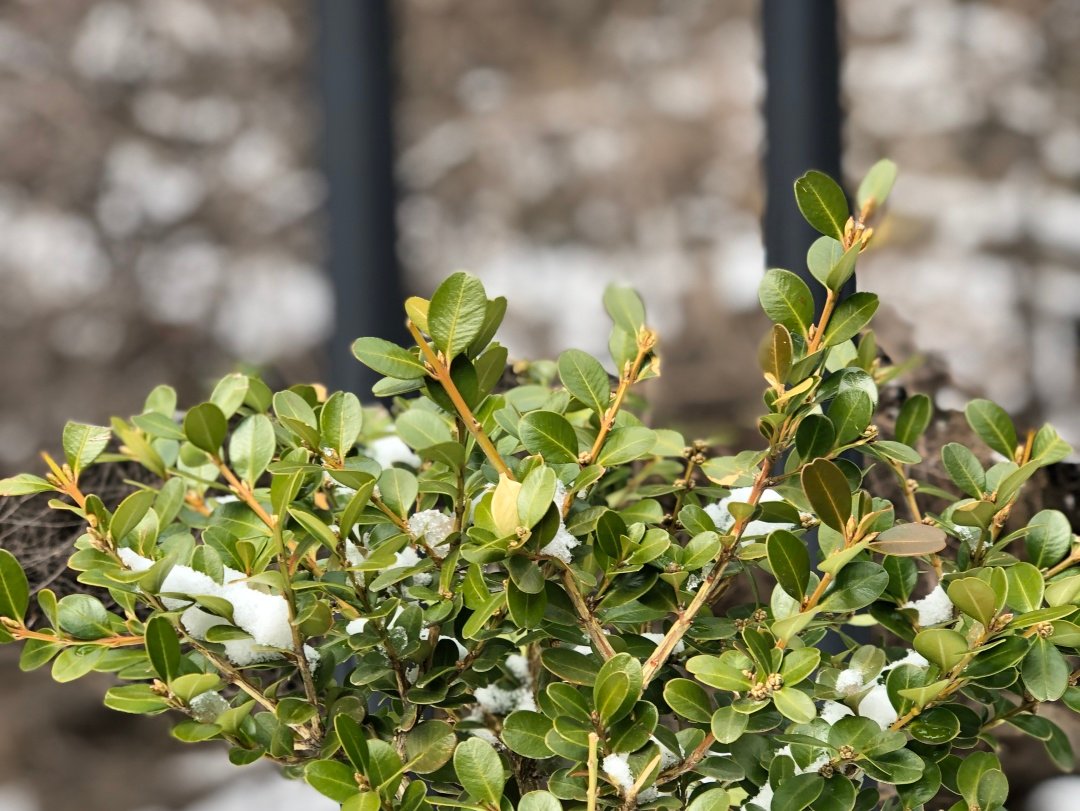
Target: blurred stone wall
point(158, 204)
point(160, 220)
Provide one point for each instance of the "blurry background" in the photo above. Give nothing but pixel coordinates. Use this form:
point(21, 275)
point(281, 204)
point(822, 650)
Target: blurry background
point(184, 184)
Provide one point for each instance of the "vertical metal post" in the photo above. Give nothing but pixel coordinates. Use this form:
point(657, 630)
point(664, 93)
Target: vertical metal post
point(802, 121)
point(803, 131)
point(356, 84)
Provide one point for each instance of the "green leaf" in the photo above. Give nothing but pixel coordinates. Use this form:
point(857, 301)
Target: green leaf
point(714, 672)
point(776, 353)
point(914, 419)
point(585, 378)
point(74, 663)
point(194, 684)
point(625, 307)
point(131, 511)
point(84, 443)
point(876, 185)
point(850, 316)
point(689, 699)
point(971, 770)
point(536, 494)
point(539, 801)
point(570, 666)
point(1048, 538)
point(353, 740)
point(814, 437)
point(331, 778)
point(399, 489)
point(828, 492)
point(857, 585)
point(163, 647)
point(787, 300)
point(340, 421)
point(230, 392)
point(14, 591)
point(897, 767)
point(388, 358)
point(795, 705)
point(822, 203)
point(935, 726)
point(24, 484)
point(456, 313)
point(823, 257)
point(550, 435)
point(625, 445)
point(790, 562)
point(964, 469)
point(1045, 671)
point(942, 646)
point(850, 413)
point(83, 616)
point(429, 746)
point(526, 608)
point(480, 617)
point(421, 429)
point(974, 597)
point(727, 724)
point(364, 801)
point(798, 791)
point(798, 664)
point(480, 771)
point(137, 699)
point(910, 540)
point(524, 731)
point(715, 799)
point(1026, 586)
point(617, 687)
point(993, 426)
point(205, 427)
point(251, 447)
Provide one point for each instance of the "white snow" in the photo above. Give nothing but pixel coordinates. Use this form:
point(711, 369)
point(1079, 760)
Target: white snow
point(405, 558)
point(389, 450)
point(911, 658)
point(356, 626)
point(563, 543)
point(877, 707)
point(354, 554)
point(206, 707)
point(617, 767)
point(849, 681)
point(833, 711)
point(133, 560)
point(934, 609)
point(264, 616)
point(763, 799)
point(434, 527)
point(722, 517)
point(497, 700)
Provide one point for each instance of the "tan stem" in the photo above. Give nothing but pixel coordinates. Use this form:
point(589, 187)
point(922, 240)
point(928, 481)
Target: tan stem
point(442, 374)
point(593, 772)
point(819, 329)
point(689, 762)
point(686, 617)
point(22, 632)
point(626, 380)
point(588, 619)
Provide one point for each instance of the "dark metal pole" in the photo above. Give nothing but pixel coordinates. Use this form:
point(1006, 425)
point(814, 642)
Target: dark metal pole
point(803, 131)
point(802, 121)
point(356, 84)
